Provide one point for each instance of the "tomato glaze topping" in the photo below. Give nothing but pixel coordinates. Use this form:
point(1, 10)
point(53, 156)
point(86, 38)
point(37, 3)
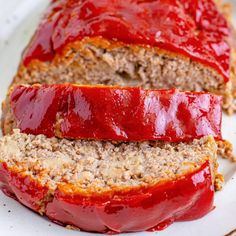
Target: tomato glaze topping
point(194, 28)
point(116, 113)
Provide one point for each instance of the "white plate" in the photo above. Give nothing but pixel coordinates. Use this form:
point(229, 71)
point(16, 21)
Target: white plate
point(18, 20)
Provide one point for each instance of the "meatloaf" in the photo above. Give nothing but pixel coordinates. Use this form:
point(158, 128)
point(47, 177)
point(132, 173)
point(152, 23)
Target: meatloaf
point(95, 185)
point(87, 156)
point(115, 113)
point(153, 44)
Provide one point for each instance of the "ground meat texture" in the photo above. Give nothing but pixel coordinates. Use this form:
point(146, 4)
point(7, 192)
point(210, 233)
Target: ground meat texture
point(102, 166)
point(99, 61)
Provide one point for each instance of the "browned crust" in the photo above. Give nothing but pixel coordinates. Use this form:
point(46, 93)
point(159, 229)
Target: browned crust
point(225, 150)
point(71, 227)
point(7, 119)
point(226, 9)
point(219, 181)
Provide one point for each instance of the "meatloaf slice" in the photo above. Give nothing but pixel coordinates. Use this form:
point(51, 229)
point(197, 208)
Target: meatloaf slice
point(114, 113)
point(93, 185)
point(153, 44)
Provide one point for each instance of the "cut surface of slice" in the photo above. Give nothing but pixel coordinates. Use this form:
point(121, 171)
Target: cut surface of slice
point(120, 43)
point(115, 113)
point(92, 185)
point(177, 26)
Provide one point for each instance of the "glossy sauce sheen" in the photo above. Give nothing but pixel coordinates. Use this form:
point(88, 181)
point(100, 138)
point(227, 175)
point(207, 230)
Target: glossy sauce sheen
point(115, 113)
point(194, 28)
point(152, 208)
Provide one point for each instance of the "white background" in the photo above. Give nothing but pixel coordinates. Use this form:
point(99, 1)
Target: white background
point(18, 19)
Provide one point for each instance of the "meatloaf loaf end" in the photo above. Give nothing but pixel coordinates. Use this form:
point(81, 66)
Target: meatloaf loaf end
point(99, 61)
point(92, 185)
point(197, 56)
point(192, 56)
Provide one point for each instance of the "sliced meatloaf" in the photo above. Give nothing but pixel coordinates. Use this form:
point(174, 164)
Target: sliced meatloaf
point(94, 185)
point(153, 44)
point(111, 152)
point(114, 113)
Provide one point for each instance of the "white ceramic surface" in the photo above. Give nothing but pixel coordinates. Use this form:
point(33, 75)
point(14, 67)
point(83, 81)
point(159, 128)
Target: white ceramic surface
point(18, 19)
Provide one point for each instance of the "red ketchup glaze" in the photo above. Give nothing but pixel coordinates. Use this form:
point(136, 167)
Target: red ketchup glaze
point(115, 113)
point(21, 188)
point(148, 208)
point(194, 28)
